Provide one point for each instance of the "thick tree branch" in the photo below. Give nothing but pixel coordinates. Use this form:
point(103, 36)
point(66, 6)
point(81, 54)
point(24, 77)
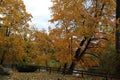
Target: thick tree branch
point(101, 38)
point(84, 48)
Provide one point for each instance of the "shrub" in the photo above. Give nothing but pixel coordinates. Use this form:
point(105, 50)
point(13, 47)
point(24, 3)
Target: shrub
point(26, 68)
point(110, 61)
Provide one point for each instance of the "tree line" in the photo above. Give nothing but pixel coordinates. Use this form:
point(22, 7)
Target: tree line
point(84, 28)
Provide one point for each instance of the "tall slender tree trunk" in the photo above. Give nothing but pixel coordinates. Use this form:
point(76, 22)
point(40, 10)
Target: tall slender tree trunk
point(64, 69)
point(117, 26)
point(118, 35)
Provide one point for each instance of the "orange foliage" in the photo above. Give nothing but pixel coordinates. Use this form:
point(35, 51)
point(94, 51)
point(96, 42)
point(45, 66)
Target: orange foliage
point(85, 24)
point(13, 22)
point(76, 20)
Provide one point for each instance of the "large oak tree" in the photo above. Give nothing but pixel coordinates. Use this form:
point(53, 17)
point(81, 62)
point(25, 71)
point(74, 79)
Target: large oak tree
point(89, 24)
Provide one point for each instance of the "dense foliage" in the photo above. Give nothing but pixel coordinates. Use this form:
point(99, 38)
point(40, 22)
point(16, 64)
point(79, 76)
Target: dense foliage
point(83, 30)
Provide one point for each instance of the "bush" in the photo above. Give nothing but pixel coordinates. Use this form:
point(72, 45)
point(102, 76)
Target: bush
point(26, 68)
point(110, 61)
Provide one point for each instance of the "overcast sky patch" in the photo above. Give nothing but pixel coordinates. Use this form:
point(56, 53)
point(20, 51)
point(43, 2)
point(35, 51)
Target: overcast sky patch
point(40, 12)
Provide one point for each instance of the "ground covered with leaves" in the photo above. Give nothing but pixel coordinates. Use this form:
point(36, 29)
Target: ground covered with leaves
point(44, 76)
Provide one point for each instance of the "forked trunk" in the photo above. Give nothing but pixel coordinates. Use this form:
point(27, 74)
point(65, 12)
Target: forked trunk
point(79, 53)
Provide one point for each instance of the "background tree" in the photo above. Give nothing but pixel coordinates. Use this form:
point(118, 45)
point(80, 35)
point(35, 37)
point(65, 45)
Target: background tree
point(13, 15)
point(13, 22)
point(45, 47)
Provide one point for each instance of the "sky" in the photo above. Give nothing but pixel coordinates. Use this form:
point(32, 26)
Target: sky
point(40, 12)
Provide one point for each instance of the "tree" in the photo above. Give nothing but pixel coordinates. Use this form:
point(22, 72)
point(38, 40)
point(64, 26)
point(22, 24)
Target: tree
point(63, 46)
point(88, 23)
point(12, 49)
point(45, 47)
point(13, 22)
point(13, 15)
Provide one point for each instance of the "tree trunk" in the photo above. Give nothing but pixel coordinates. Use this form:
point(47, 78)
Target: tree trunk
point(72, 66)
point(79, 53)
point(2, 58)
point(117, 26)
point(64, 69)
point(118, 33)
